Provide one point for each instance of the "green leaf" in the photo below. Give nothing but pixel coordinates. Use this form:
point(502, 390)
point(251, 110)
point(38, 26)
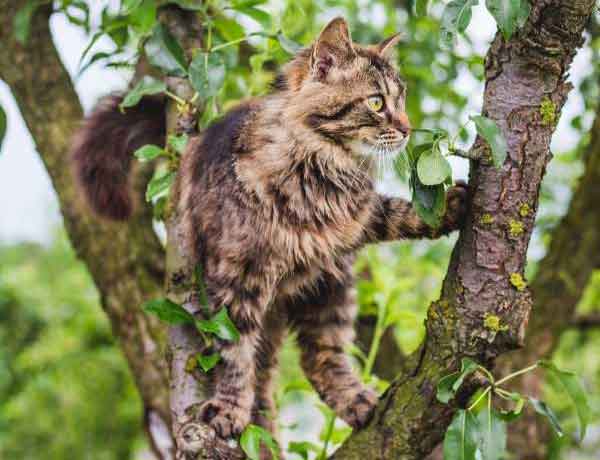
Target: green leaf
point(243, 3)
point(143, 17)
point(303, 449)
point(429, 200)
point(208, 362)
point(178, 143)
point(117, 28)
point(206, 325)
point(491, 433)
point(449, 385)
point(456, 18)
point(414, 154)
point(220, 325)
point(22, 20)
point(508, 14)
point(164, 52)
point(421, 7)
point(543, 409)
point(251, 439)
point(229, 28)
point(207, 74)
point(288, 45)
point(516, 411)
point(168, 311)
point(3, 124)
point(129, 5)
point(226, 330)
point(489, 130)
point(576, 392)
point(159, 210)
point(293, 19)
point(260, 16)
point(159, 186)
point(432, 167)
point(148, 152)
point(460, 440)
point(435, 133)
point(145, 87)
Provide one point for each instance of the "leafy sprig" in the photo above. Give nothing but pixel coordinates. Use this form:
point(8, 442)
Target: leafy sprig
point(218, 325)
point(429, 172)
point(479, 431)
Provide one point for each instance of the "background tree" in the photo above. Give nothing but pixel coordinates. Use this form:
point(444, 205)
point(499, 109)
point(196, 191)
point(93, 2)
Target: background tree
point(126, 261)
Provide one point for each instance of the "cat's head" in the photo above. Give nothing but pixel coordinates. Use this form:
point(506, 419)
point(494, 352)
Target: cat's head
point(348, 93)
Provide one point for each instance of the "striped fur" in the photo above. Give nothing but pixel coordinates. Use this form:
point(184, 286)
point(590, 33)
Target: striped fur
point(275, 199)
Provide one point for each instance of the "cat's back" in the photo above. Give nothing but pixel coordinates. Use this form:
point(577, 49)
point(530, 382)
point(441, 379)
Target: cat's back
point(212, 152)
point(208, 196)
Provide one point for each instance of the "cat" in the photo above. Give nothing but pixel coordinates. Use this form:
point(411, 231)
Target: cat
point(274, 200)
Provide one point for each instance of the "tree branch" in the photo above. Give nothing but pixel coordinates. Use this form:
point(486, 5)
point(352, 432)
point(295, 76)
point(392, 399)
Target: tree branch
point(486, 269)
point(126, 261)
point(585, 322)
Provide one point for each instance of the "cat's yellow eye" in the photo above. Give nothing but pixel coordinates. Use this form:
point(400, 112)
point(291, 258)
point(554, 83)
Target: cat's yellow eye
point(375, 103)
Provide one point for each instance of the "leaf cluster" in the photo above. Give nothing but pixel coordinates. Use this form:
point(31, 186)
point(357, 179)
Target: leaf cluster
point(479, 431)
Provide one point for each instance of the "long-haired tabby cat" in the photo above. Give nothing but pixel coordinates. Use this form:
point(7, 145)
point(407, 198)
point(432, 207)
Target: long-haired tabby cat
point(275, 199)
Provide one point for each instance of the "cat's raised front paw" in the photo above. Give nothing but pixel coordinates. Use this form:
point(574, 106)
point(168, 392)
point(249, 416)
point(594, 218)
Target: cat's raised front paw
point(456, 205)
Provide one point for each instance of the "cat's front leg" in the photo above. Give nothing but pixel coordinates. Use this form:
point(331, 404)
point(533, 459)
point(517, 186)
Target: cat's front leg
point(395, 219)
point(229, 409)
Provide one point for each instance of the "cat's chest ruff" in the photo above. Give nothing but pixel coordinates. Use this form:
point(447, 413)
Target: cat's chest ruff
point(323, 235)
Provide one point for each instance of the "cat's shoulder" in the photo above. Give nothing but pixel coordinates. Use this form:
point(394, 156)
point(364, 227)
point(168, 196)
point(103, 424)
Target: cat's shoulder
point(226, 134)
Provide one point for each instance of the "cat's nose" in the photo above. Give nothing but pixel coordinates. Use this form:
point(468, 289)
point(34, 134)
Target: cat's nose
point(402, 124)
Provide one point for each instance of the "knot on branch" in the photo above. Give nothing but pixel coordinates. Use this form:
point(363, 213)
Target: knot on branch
point(197, 441)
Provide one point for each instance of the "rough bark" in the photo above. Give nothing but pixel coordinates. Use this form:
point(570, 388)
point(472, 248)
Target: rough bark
point(573, 255)
point(188, 385)
point(126, 261)
point(520, 74)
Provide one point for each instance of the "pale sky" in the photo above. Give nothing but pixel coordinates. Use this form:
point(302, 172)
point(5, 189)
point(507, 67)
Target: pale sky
point(28, 205)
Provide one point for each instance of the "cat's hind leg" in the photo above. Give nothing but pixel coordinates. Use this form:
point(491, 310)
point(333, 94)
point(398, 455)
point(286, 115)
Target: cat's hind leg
point(325, 325)
point(229, 409)
point(270, 342)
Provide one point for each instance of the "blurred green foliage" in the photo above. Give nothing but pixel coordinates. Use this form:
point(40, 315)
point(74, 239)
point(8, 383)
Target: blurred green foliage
point(65, 389)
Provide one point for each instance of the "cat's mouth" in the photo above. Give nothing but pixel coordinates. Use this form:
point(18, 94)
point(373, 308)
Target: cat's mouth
point(383, 147)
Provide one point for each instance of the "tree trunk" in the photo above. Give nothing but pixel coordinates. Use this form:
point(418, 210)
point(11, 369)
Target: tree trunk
point(485, 276)
point(564, 273)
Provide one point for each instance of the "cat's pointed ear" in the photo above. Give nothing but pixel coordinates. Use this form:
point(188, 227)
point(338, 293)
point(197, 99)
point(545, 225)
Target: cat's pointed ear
point(386, 47)
point(333, 47)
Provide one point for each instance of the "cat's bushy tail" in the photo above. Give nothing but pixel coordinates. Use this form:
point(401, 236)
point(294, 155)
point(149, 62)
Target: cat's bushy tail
point(103, 151)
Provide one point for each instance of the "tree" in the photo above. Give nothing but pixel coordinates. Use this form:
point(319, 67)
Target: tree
point(485, 301)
